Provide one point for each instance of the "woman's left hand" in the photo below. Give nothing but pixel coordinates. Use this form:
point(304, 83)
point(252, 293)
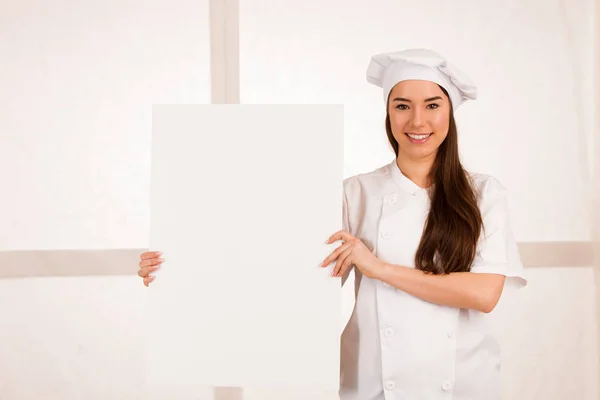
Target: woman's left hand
point(352, 251)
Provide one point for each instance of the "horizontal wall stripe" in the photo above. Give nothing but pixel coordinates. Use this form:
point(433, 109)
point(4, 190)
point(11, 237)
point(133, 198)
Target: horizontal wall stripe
point(38, 263)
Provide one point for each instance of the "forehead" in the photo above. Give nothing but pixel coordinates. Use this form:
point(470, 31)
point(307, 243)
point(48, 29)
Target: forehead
point(416, 90)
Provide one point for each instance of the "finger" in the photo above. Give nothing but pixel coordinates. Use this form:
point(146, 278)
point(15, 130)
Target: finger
point(150, 254)
point(151, 262)
point(144, 272)
point(149, 280)
point(346, 264)
point(335, 254)
point(340, 262)
point(340, 235)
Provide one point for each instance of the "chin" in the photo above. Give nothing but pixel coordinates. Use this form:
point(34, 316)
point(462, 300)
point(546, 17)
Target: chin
point(421, 154)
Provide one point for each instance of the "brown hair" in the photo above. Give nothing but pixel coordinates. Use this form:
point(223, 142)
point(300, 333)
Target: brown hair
point(454, 223)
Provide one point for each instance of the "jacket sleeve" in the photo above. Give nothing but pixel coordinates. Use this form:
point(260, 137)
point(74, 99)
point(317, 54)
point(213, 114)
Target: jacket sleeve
point(497, 251)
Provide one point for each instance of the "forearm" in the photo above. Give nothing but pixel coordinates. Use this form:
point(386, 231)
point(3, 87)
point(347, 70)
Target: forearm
point(460, 289)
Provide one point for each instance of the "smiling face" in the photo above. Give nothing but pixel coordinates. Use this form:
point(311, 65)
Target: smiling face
point(419, 115)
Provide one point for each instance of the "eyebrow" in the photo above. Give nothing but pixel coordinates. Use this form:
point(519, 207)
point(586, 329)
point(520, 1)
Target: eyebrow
point(426, 100)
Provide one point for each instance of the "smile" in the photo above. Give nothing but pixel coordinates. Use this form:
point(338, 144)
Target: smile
point(418, 137)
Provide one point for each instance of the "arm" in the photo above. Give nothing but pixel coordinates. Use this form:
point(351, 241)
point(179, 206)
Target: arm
point(477, 291)
point(497, 258)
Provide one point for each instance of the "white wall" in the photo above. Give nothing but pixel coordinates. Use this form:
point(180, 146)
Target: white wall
point(532, 61)
point(549, 337)
point(77, 83)
point(78, 80)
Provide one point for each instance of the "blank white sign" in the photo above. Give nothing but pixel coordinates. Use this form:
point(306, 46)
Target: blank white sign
point(243, 199)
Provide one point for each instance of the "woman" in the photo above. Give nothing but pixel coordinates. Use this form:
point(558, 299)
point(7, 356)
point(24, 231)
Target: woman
point(430, 245)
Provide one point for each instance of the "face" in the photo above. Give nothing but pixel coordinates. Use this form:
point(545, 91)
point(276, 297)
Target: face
point(419, 117)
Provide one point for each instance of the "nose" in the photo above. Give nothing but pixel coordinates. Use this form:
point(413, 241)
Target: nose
point(418, 118)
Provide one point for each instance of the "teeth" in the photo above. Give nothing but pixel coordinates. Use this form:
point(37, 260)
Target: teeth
point(418, 137)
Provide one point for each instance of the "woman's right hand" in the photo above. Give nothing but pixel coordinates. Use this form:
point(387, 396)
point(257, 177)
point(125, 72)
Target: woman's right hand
point(149, 262)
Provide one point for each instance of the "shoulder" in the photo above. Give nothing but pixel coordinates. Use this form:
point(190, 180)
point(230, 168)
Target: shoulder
point(491, 192)
point(361, 193)
point(360, 182)
point(486, 184)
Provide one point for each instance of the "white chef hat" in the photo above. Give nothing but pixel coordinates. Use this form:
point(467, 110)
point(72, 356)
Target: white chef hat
point(387, 69)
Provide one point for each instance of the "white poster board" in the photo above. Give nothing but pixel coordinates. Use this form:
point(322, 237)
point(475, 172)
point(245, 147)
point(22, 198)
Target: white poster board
point(243, 198)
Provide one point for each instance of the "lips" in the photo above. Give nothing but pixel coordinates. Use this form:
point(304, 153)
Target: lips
point(418, 137)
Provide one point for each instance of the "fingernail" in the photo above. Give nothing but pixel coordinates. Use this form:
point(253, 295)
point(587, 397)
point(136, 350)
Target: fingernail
point(161, 259)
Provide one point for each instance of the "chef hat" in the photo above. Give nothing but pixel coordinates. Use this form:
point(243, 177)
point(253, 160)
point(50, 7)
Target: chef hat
point(387, 69)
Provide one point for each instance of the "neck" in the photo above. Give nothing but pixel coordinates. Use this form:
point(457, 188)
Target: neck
point(418, 171)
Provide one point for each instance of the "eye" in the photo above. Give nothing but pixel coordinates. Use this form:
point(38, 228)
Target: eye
point(402, 107)
point(432, 106)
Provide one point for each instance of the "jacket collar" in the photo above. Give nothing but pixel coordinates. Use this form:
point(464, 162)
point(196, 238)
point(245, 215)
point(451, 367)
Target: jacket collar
point(403, 182)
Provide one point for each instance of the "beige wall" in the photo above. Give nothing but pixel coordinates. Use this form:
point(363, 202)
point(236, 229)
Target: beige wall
point(72, 321)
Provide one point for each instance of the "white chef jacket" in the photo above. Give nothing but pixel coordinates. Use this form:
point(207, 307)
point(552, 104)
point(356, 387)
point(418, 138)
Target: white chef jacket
point(397, 346)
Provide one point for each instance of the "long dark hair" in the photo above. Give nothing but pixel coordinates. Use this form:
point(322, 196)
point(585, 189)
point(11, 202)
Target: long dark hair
point(449, 240)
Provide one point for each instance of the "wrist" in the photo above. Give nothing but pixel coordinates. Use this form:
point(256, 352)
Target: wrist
point(383, 271)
